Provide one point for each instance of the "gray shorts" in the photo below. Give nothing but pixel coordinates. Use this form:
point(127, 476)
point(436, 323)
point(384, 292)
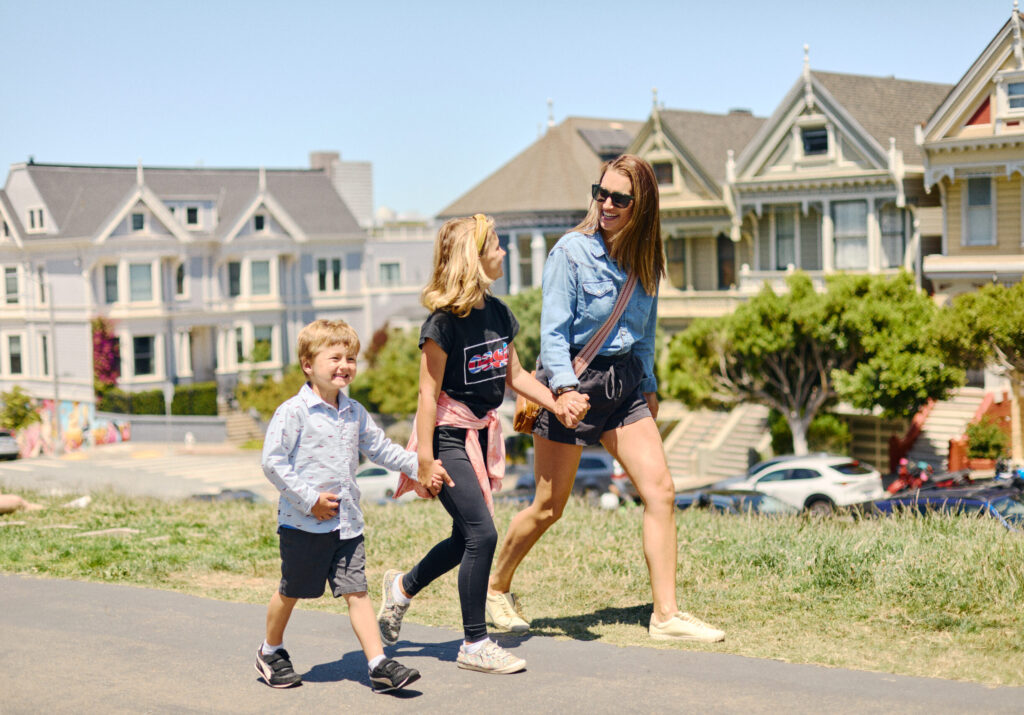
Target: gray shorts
point(613, 385)
point(309, 561)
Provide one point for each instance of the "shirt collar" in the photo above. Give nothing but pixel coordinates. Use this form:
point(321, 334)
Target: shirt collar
point(596, 245)
point(311, 399)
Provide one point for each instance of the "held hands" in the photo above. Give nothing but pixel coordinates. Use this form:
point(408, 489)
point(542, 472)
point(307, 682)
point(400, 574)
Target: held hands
point(432, 476)
point(571, 407)
point(326, 506)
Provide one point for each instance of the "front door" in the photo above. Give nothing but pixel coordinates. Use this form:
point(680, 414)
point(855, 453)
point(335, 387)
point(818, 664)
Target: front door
point(726, 262)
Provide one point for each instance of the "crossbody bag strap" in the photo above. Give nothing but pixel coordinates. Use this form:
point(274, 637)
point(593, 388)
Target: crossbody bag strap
point(593, 345)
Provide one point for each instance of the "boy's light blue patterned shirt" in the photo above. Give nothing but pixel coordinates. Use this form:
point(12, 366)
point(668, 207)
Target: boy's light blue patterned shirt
point(313, 447)
point(581, 284)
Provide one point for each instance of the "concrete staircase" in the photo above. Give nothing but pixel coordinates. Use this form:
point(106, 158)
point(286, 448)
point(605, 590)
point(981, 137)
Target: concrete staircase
point(242, 427)
point(708, 445)
point(947, 420)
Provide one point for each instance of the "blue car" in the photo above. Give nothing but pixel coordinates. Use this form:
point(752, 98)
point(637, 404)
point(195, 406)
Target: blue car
point(1000, 502)
point(734, 502)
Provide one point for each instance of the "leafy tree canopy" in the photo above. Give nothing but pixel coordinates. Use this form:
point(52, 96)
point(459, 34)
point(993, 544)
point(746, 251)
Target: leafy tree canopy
point(866, 340)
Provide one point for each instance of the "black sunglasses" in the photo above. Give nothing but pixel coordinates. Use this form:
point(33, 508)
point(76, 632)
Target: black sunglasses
point(601, 194)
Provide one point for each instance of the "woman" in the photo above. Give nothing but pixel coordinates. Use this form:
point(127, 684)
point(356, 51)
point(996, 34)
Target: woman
point(582, 278)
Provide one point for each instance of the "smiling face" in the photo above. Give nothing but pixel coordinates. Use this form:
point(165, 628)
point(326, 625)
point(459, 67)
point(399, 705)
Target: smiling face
point(492, 257)
point(331, 370)
point(611, 219)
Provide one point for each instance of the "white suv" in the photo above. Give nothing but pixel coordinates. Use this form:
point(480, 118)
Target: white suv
point(816, 483)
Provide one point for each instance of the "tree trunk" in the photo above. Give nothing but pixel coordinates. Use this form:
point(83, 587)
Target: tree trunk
point(798, 426)
point(1016, 441)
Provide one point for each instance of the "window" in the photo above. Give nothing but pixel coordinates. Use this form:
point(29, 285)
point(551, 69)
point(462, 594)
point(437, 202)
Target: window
point(179, 280)
point(109, 284)
point(1015, 95)
point(891, 222)
point(239, 345)
point(260, 271)
point(262, 345)
point(525, 260)
point(41, 282)
point(234, 279)
point(851, 234)
point(978, 223)
point(390, 274)
point(675, 255)
point(44, 341)
point(7, 229)
point(663, 172)
point(14, 354)
point(11, 285)
point(138, 221)
point(328, 272)
point(259, 222)
point(785, 238)
point(140, 282)
point(143, 353)
point(192, 215)
point(815, 140)
point(35, 219)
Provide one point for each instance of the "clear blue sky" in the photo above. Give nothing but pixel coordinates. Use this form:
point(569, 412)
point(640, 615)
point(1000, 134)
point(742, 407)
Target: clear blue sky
point(436, 94)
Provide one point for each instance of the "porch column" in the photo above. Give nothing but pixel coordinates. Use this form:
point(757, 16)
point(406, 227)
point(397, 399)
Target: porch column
point(538, 252)
point(688, 262)
point(515, 276)
point(828, 247)
point(874, 239)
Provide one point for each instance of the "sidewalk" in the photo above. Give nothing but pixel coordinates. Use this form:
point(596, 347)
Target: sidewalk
point(75, 647)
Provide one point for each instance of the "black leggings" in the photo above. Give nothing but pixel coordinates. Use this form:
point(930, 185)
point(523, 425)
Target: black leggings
point(473, 540)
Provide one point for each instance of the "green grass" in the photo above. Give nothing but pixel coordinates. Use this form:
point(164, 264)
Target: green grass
point(937, 597)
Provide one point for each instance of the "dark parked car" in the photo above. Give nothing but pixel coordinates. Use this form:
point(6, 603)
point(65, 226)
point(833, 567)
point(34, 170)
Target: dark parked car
point(734, 502)
point(999, 502)
point(593, 477)
point(8, 445)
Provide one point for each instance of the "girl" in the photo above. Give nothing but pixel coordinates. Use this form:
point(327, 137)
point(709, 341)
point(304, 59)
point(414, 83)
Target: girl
point(468, 359)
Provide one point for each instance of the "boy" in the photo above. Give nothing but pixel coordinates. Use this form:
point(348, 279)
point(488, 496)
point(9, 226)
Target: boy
point(310, 454)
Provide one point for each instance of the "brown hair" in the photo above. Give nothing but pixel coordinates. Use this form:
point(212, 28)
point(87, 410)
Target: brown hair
point(322, 334)
point(637, 246)
point(458, 280)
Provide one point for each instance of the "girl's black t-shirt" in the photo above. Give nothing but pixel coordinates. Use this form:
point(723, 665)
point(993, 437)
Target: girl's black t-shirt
point(478, 348)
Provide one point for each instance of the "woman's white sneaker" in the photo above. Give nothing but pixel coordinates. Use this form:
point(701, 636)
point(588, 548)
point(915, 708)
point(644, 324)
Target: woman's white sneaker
point(685, 627)
point(502, 611)
point(491, 658)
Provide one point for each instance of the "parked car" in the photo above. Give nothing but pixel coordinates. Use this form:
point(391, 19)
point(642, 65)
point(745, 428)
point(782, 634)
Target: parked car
point(593, 477)
point(816, 483)
point(378, 484)
point(8, 445)
point(999, 502)
point(759, 466)
point(727, 501)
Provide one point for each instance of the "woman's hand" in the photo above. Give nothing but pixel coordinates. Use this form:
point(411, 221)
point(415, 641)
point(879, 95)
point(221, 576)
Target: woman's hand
point(571, 407)
point(431, 475)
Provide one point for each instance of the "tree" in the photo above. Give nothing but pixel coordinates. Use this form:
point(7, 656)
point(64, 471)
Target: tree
point(106, 355)
point(391, 384)
point(17, 409)
point(986, 329)
point(526, 307)
point(866, 340)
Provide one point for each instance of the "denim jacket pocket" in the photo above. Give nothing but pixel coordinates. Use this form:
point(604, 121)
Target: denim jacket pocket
point(598, 300)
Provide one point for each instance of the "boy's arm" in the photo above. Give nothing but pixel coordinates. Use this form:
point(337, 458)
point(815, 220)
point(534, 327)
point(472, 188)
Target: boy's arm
point(283, 434)
point(379, 449)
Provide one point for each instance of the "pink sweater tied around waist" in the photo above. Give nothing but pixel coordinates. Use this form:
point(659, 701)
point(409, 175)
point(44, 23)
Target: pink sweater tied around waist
point(489, 472)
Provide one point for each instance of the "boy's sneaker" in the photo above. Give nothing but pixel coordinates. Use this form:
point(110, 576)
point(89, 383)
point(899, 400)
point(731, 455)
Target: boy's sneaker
point(685, 627)
point(391, 675)
point(389, 617)
point(491, 658)
point(502, 611)
point(276, 669)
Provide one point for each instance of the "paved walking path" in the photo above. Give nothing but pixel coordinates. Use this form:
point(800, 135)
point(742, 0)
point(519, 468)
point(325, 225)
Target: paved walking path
point(75, 647)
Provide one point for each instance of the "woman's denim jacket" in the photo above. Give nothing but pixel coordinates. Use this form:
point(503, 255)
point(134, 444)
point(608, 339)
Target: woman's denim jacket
point(581, 283)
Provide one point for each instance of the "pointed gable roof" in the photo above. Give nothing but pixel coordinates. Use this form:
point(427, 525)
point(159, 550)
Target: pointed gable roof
point(82, 199)
point(886, 107)
point(707, 138)
point(552, 174)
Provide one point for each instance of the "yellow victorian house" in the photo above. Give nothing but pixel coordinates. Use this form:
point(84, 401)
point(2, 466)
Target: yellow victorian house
point(974, 156)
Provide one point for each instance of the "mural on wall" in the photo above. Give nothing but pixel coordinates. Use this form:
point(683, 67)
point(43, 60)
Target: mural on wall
point(79, 428)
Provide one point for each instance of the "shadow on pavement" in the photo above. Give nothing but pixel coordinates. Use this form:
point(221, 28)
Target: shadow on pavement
point(578, 627)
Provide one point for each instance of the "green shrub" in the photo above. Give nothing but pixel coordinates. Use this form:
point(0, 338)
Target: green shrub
point(986, 440)
point(149, 402)
point(265, 394)
point(826, 433)
point(197, 399)
point(17, 409)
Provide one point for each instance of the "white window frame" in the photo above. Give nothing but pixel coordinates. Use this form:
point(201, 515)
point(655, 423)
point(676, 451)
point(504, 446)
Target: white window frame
point(45, 357)
point(35, 222)
point(813, 121)
point(836, 237)
point(964, 208)
point(7, 295)
point(879, 212)
point(5, 348)
point(156, 366)
point(1003, 110)
point(127, 347)
point(131, 222)
point(266, 222)
point(245, 288)
point(103, 283)
point(198, 223)
point(252, 277)
point(775, 237)
point(252, 343)
point(390, 262)
point(329, 288)
point(154, 287)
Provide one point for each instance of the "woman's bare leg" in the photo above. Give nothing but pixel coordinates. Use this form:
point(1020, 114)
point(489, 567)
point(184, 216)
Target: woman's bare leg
point(555, 466)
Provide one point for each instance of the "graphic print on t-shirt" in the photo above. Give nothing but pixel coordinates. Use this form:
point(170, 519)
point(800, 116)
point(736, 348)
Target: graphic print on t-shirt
point(485, 361)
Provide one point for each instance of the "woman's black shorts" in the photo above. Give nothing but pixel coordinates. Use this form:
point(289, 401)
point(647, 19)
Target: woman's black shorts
point(613, 385)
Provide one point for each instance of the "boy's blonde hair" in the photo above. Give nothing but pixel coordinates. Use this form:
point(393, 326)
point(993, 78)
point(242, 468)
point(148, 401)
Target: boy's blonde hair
point(322, 334)
point(458, 280)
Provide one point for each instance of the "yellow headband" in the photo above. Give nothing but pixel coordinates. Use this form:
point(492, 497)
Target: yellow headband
point(483, 227)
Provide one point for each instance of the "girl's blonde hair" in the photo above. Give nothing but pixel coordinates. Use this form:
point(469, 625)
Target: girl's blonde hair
point(322, 334)
point(458, 281)
point(637, 246)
